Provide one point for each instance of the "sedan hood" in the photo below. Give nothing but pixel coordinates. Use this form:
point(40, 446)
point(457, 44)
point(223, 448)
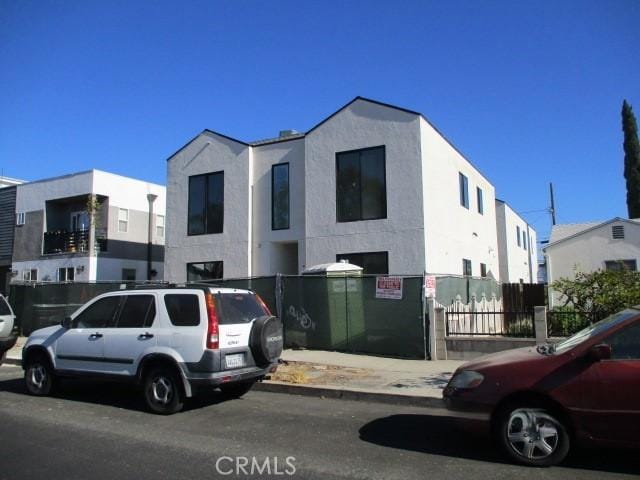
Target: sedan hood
point(518, 355)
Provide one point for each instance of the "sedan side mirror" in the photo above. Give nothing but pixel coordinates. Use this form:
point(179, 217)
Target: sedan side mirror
point(67, 323)
point(600, 352)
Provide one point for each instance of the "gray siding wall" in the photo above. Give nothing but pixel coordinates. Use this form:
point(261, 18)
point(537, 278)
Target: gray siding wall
point(28, 237)
point(7, 222)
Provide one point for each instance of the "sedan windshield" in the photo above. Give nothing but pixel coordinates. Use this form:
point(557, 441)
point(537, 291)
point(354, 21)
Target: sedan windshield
point(593, 330)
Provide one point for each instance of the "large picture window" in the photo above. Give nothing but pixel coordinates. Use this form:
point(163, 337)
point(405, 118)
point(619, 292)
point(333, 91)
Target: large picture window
point(206, 204)
point(280, 196)
point(372, 263)
point(204, 271)
point(361, 187)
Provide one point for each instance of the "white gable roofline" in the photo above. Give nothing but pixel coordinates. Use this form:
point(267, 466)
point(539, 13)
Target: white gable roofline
point(594, 227)
point(302, 135)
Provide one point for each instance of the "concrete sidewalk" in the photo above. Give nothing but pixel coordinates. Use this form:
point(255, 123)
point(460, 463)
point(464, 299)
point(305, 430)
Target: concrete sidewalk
point(349, 376)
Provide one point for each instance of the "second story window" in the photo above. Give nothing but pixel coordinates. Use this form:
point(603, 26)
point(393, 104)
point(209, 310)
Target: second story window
point(160, 226)
point(464, 190)
point(123, 220)
point(480, 200)
point(280, 196)
point(361, 187)
point(20, 218)
point(206, 204)
point(466, 267)
point(518, 234)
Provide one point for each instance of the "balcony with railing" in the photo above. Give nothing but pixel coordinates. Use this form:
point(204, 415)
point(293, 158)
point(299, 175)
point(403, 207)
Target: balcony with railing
point(77, 241)
point(63, 241)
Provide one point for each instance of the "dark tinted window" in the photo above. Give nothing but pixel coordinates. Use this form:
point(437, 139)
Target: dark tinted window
point(625, 345)
point(372, 263)
point(4, 308)
point(361, 189)
point(100, 314)
point(206, 204)
point(204, 271)
point(464, 190)
point(466, 267)
point(138, 311)
point(280, 196)
point(183, 309)
point(239, 308)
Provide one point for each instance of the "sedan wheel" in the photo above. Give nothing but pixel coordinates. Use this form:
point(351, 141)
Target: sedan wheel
point(533, 437)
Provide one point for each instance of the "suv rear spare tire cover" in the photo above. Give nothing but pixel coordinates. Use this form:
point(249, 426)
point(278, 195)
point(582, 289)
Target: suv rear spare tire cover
point(266, 340)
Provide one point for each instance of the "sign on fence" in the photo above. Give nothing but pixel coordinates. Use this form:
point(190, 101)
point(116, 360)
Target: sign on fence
point(389, 288)
point(430, 286)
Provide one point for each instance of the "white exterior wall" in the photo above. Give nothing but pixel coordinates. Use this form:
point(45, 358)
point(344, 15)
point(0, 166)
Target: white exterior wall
point(361, 125)
point(452, 231)
point(111, 268)
point(48, 268)
point(266, 242)
point(588, 251)
point(515, 260)
point(121, 191)
point(209, 153)
point(32, 196)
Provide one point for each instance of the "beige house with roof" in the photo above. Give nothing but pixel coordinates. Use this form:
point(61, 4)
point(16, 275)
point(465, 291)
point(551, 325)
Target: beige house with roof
point(586, 247)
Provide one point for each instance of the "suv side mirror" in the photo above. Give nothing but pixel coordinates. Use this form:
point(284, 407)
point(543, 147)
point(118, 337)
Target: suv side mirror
point(600, 352)
point(67, 323)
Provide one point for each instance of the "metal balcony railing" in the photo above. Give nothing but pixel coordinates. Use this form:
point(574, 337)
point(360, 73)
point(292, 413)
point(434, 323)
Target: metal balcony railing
point(62, 241)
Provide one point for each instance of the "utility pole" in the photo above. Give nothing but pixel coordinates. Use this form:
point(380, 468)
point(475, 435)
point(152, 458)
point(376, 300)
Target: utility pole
point(552, 210)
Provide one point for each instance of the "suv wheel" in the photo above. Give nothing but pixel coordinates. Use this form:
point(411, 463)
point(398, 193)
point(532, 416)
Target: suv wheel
point(236, 389)
point(38, 376)
point(162, 391)
point(532, 436)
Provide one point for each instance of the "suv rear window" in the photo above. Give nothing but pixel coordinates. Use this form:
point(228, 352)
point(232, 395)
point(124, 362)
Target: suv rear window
point(239, 308)
point(4, 308)
point(183, 309)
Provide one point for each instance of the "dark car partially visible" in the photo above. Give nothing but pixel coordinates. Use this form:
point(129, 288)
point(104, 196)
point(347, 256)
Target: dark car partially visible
point(540, 401)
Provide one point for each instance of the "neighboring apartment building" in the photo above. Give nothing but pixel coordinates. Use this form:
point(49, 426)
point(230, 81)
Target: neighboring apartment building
point(7, 225)
point(373, 183)
point(586, 247)
point(517, 246)
point(88, 226)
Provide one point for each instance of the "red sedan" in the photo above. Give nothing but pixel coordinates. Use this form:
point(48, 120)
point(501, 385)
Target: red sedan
point(541, 400)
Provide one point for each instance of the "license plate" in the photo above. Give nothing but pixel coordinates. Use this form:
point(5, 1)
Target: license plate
point(235, 361)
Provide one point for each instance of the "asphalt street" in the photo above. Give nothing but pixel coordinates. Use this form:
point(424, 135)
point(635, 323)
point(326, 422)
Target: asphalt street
point(101, 431)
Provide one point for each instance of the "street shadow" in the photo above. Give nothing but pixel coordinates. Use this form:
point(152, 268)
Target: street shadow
point(111, 394)
point(452, 437)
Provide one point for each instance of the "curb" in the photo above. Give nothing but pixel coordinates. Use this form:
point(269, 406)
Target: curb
point(347, 394)
point(12, 361)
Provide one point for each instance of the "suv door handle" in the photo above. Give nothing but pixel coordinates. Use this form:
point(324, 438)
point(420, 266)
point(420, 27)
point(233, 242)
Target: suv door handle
point(95, 335)
point(144, 336)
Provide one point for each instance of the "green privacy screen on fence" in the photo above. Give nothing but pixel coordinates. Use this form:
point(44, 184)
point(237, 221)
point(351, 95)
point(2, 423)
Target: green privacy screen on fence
point(41, 305)
point(327, 313)
point(346, 314)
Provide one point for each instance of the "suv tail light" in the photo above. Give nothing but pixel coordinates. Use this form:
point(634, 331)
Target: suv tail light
point(263, 305)
point(213, 338)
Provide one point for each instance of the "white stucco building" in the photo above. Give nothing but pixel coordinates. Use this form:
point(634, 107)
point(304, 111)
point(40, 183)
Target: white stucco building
point(586, 247)
point(55, 239)
point(372, 183)
point(517, 246)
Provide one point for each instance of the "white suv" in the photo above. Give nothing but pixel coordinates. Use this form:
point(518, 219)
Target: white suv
point(8, 334)
point(169, 340)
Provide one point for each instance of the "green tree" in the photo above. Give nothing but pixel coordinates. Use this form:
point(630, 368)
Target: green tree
point(631, 160)
point(602, 292)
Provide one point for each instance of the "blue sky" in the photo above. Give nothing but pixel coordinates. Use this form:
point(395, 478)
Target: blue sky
point(531, 92)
